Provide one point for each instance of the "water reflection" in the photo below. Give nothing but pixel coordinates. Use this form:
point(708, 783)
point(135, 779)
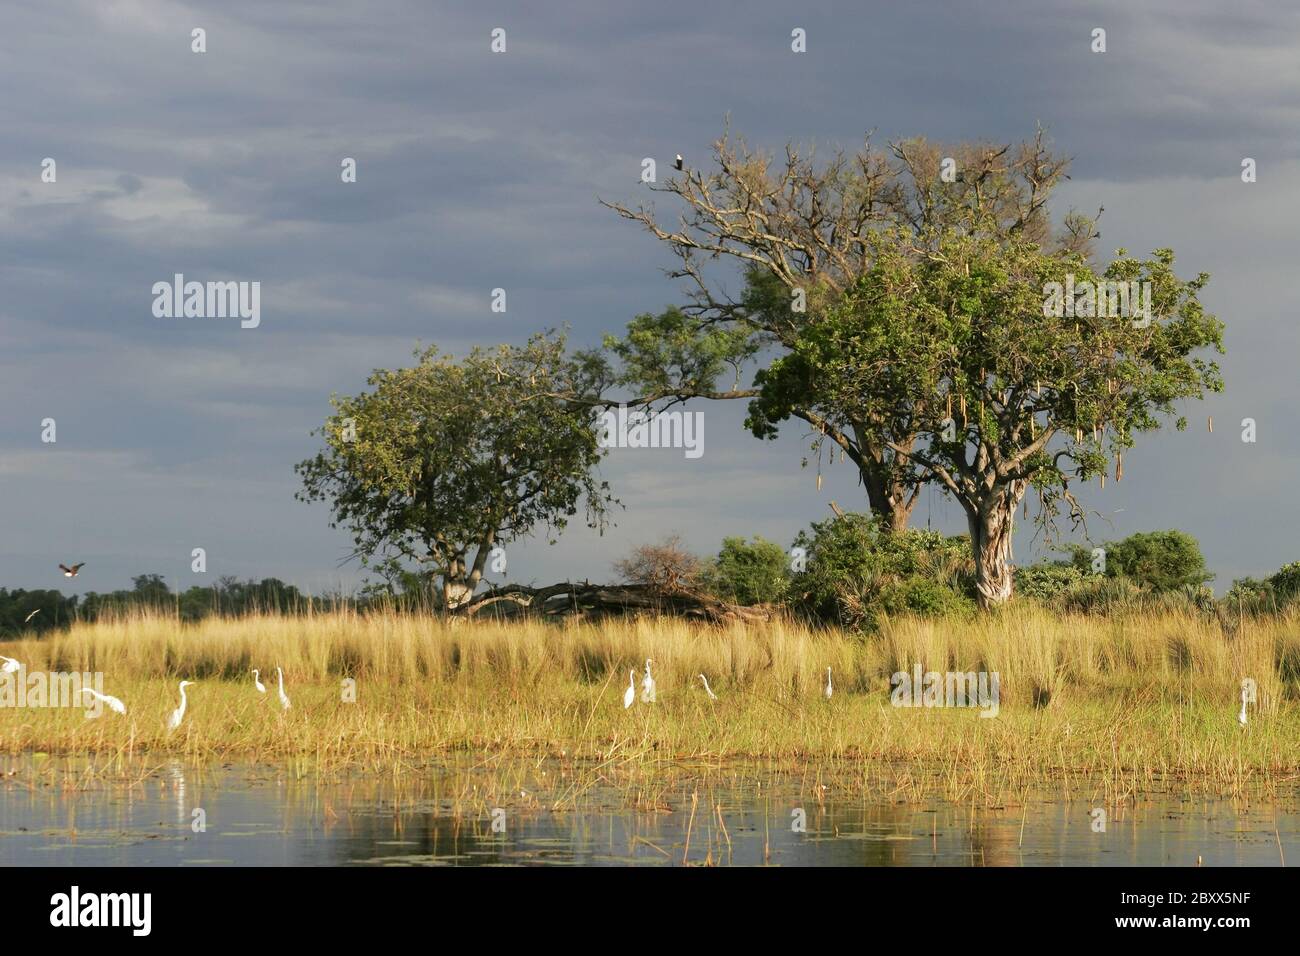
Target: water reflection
point(260, 816)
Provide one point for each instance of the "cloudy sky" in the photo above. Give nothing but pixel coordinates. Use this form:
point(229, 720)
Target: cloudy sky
point(479, 170)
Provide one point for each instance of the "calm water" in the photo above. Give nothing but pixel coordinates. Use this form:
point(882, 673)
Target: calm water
point(258, 816)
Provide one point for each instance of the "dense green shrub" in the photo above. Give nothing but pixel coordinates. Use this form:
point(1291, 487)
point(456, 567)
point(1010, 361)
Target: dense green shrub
point(1251, 596)
point(924, 597)
point(1155, 560)
point(856, 570)
point(1046, 581)
point(749, 572)
point(1285, 582)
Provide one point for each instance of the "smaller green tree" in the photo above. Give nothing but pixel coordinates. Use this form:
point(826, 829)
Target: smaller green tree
point(750, 572)
point(1156, 560)
point(440, 463)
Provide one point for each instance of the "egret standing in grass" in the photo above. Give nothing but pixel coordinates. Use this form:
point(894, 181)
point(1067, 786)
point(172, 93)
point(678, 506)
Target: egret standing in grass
point(629, 695)
point(1241, 717)
point(648, 685)
point(257, 682)
point(9, 665)
point(829, 689)
point(113, 703)
point(284, 698)
point(179, 713)
point(707, 689)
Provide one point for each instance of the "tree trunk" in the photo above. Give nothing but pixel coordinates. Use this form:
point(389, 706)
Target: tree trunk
point(455, 594)
point(888, 499)
point(992, 523)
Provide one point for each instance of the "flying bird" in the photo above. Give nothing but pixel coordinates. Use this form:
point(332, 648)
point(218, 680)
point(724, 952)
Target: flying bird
point(71, 572)
point(678, 164)
point(647, 685)
point(829, 689)
point(284, 698)
point(707, 689)
point(9, 665)
point(261, 688)
point(113, 703)
point(179, 713)
point(32, 615)
point(629, 695)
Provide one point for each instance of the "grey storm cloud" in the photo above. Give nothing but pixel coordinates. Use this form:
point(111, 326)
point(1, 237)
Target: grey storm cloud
point(478, 171)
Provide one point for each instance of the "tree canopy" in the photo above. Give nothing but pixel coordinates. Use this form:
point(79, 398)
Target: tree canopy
point(806, 231)
point(441, 462)
point(957, 346)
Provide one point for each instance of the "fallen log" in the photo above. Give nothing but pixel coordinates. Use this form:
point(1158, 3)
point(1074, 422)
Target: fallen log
point(584, 599)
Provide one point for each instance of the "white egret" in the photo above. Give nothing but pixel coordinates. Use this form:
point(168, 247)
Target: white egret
point(32, 615)
point(829, 689)
point(261, 688)
point(284, 698)
point(647, 685)
point(1241, 717)
point(113, 703)
point(707, 689)
point(629, 695)
point(9, 666)
point(179, 713)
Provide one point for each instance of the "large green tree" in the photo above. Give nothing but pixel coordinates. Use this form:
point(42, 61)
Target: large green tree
point(964, 355)
point(441, 462)
point(804, 230)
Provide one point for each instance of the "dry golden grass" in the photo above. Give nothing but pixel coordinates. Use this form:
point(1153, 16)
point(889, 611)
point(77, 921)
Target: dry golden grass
point(1113, 706)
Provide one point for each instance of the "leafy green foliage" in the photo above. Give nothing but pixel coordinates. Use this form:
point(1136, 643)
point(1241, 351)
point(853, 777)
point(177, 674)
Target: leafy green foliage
point(1044, 582)
point(450, 456)
point(956, 346)
point(749, 572)
point(857, 569)
point(1156, 560)
point(1285, 582)
point(673, 355)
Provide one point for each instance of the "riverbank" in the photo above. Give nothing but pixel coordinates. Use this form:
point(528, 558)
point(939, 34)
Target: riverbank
point(1105, 707)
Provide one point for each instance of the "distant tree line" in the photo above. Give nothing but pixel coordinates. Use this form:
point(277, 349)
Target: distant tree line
point(228, 596)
